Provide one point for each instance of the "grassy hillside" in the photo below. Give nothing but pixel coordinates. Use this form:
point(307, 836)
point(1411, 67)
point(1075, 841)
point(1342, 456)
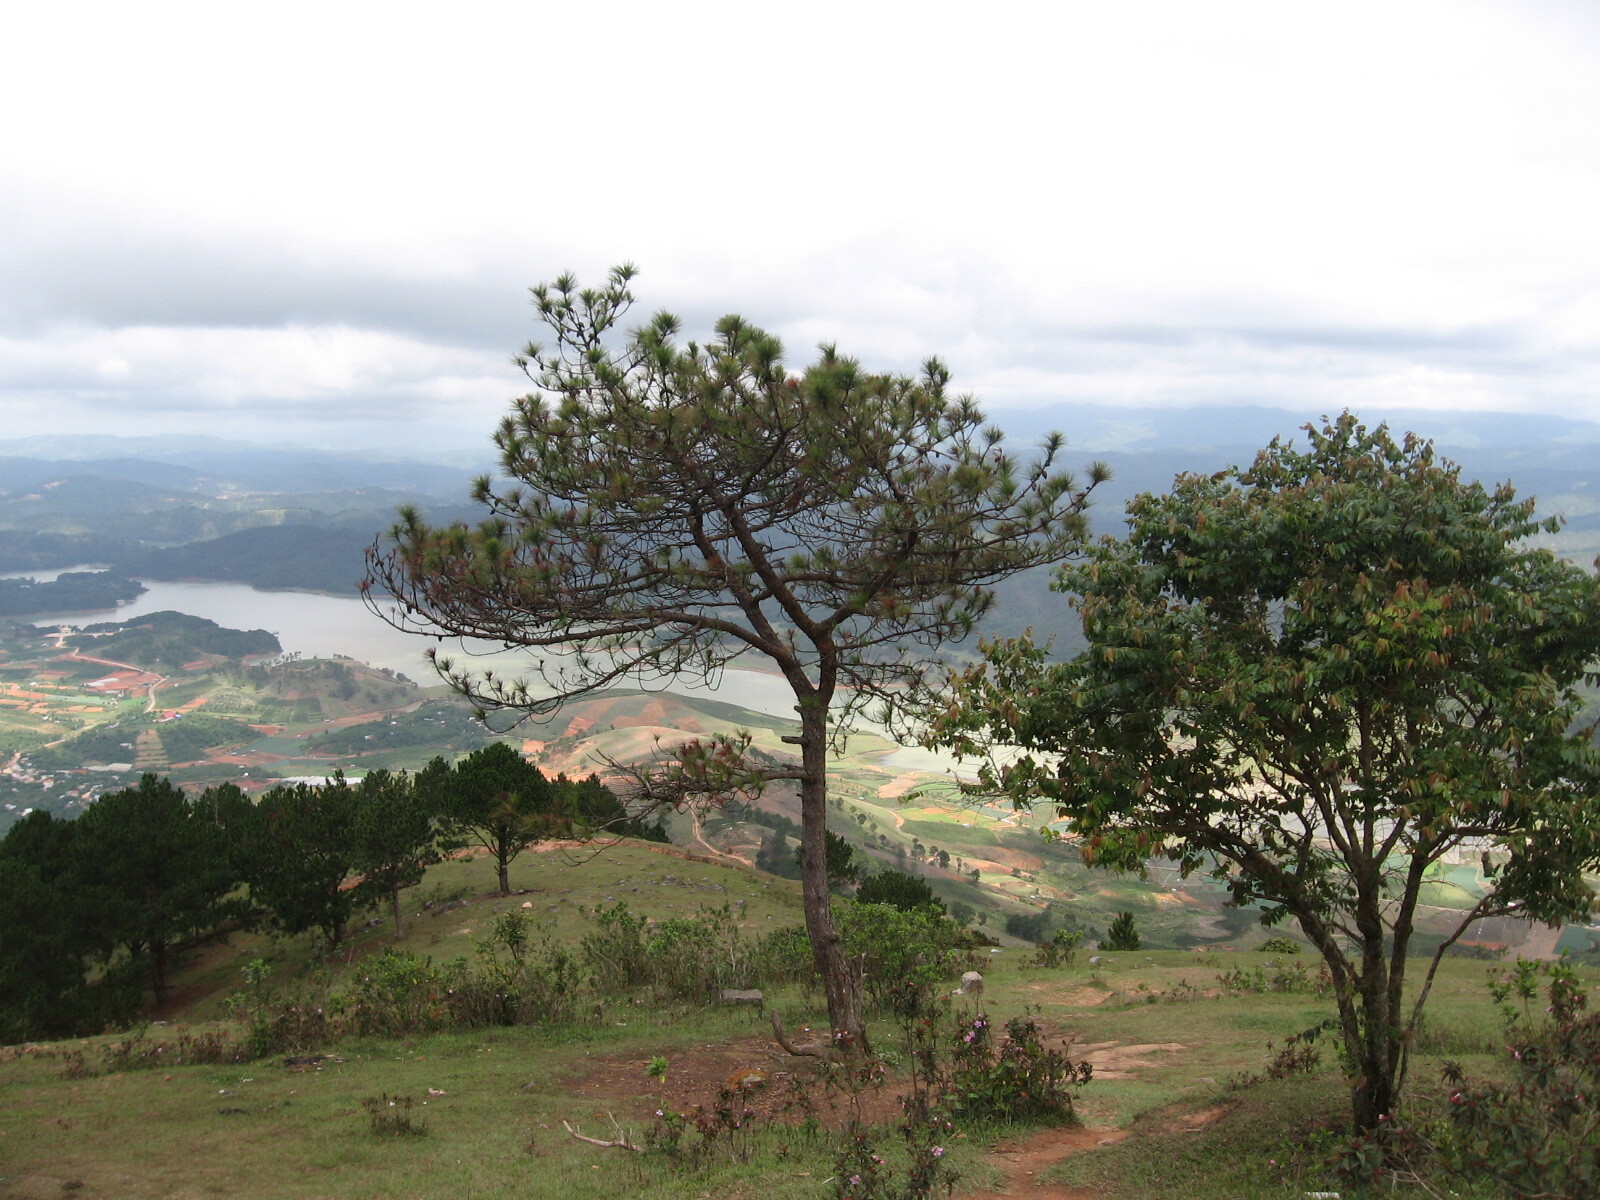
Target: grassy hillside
point(1183, 1103)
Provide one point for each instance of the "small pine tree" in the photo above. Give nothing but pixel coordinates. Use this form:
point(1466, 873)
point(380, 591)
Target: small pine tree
point(1122, 935)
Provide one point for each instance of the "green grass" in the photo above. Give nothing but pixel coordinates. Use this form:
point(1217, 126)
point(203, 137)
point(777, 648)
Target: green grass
point(558, 883)
point(262, 1130)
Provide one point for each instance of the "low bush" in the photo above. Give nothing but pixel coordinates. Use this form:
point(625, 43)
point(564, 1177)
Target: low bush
point(1020, 1079)
point(907, 956)
point(1060, 950)
point(1538, 1135)
point(394, 1116)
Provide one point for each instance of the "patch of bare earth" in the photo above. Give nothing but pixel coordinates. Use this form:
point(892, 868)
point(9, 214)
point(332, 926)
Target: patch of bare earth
point(1024, 1160)
point(899, 786)
point(771, 1083)
point(1007, 858)
point(784, 1089)
point(1111, 1060)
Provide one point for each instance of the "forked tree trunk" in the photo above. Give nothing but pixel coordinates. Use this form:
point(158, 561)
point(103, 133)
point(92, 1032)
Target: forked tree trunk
point(839, 983)
point(1370, 1041)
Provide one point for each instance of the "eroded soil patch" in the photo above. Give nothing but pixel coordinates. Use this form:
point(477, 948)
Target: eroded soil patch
point(773, 1084)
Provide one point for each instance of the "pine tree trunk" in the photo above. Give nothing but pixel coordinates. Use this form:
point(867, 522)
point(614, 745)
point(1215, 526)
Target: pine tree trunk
point(158, 969)
point(394, 899)
point(839, 983)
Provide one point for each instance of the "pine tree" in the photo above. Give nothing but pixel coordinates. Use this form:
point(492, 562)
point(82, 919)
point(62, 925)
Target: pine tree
point(672, 508)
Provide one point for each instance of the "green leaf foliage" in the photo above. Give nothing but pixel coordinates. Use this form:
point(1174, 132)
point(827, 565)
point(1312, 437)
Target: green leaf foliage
point(898, 890)
point(161, 872)
point(842, 868)
point(1122, 934)
point(295, 847)
point(1313, 678)
point(395, 839)
point(52, 942)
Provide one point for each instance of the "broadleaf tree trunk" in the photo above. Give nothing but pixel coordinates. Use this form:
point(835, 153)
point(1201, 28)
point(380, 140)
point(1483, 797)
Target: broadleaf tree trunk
point(1370, 1043)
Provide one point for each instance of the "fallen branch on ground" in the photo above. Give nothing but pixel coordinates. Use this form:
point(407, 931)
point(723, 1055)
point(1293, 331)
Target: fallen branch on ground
point(826, 1053)
point(621, 1143)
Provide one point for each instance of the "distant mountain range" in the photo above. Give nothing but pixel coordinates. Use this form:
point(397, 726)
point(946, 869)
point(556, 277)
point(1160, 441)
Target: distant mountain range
point(224, 466)
point(281, 517)
point(1231, 429)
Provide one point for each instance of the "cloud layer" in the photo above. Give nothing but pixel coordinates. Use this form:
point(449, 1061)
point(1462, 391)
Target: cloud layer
point(322, 224)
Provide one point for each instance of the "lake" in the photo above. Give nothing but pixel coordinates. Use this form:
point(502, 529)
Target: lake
point(320, 626)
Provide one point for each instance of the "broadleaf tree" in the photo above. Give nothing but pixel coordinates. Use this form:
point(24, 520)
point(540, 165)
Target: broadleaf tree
point(668, 508)
point(1315, 678)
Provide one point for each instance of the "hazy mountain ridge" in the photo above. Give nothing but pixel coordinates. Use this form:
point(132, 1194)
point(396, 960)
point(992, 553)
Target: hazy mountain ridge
point(278, 517)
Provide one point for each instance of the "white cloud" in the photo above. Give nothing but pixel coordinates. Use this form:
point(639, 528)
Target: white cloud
point(294, 376)
point(333, 210)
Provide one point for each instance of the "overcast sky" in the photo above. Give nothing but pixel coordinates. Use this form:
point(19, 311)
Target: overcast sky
point(318, 222)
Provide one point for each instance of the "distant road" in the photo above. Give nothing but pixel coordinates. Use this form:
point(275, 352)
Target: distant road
point(151, 690)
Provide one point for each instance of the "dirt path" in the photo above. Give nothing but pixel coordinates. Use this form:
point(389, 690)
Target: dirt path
point(1022, 1162)
point(716, 855)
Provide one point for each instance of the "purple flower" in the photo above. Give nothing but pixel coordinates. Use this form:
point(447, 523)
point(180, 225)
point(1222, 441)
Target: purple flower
point(938, 1151)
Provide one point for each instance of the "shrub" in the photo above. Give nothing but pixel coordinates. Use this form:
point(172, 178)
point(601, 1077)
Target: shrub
point(690, 958)
point(397, 993)
point(207, 1047)
point(520, 977)
point(614, 950)
point(1018, 1080)
point(1030, 927)
point(394, 1116)
point(1293, 977)
point(291, 1026)
point(1538, 1135)
point(1280, 945)
point(906, 955)
point(694, 958)
point(898, 890)
point(1060, 949)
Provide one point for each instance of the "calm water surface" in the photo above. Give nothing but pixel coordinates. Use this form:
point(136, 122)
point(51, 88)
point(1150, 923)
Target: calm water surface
point(319, 626)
